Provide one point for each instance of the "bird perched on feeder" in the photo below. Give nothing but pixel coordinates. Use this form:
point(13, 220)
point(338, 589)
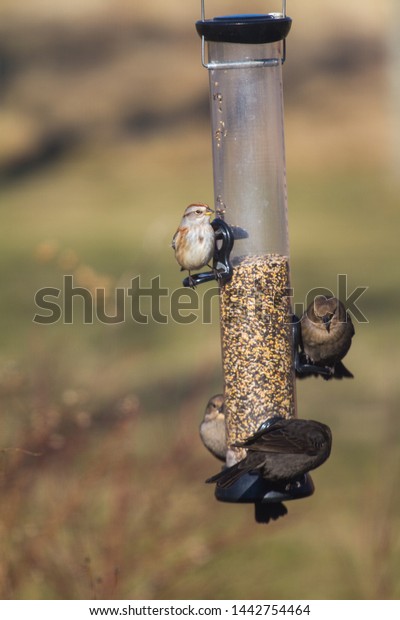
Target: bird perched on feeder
point(280, 453)
point(213, 435)
point(326, 333)
point(194, 240)
point(212, 428)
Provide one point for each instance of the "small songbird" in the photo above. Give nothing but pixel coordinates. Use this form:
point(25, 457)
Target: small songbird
point(326, 333)
point(281, 453)
point(194, 240)
point(212, 428)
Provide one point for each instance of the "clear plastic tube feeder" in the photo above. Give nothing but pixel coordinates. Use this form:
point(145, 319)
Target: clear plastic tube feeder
point(244, 56)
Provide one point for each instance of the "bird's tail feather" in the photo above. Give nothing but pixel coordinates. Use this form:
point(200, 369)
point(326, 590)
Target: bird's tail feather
point(228, 476)
point(342, 372)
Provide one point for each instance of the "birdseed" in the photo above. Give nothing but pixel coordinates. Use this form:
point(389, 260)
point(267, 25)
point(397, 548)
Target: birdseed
point(257, 350)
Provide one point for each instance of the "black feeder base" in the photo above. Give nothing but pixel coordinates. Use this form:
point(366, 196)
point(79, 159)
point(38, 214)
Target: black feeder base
point(266, 497)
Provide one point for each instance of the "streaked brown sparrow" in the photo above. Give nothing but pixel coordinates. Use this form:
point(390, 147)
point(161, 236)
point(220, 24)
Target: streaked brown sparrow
point(194, 240)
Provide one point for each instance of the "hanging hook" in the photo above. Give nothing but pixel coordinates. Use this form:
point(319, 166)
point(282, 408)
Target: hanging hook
point(203, 13)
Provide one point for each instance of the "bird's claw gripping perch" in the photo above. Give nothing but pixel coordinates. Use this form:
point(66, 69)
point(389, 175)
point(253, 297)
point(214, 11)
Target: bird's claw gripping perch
point(302, 367)
point(222, 270)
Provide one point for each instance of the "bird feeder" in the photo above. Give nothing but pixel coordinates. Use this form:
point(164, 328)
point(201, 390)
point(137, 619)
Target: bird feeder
point(244, 56)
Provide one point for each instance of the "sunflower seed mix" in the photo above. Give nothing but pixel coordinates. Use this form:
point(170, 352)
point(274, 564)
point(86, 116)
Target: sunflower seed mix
point(256, 345)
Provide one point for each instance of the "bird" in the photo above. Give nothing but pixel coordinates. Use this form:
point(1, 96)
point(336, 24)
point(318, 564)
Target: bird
point(212, 427)
point(281, 452)
point(326, 333)
point(194, 241)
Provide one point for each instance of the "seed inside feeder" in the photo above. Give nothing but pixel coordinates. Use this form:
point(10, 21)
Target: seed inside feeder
point(256, 345)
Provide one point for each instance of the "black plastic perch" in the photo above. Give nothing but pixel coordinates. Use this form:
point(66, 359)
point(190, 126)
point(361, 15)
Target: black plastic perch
point(260, 347)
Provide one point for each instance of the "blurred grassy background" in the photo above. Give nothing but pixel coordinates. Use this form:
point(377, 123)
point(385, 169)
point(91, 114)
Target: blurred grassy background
point(105, 138)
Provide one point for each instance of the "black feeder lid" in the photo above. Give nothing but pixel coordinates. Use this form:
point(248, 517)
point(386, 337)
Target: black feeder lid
point(245, 28)
point(251, 488)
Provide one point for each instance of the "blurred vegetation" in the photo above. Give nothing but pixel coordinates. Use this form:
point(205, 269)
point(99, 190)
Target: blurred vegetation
point(105, 139)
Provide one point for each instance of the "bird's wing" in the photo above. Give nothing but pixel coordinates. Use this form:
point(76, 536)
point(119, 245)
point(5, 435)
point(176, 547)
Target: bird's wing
point(279, 439)
point(260, 433)
point(229, 475)
point(173, 246)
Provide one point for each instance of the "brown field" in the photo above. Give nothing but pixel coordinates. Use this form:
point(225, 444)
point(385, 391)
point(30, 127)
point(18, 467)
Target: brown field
point(105, 138)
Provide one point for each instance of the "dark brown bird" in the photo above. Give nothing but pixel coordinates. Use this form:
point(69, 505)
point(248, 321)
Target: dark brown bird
point(326, 333)
point(212, 428)
point(281, 453)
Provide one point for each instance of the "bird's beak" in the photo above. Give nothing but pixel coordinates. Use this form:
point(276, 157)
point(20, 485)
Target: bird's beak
point(327, 322)
point(209, 211)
